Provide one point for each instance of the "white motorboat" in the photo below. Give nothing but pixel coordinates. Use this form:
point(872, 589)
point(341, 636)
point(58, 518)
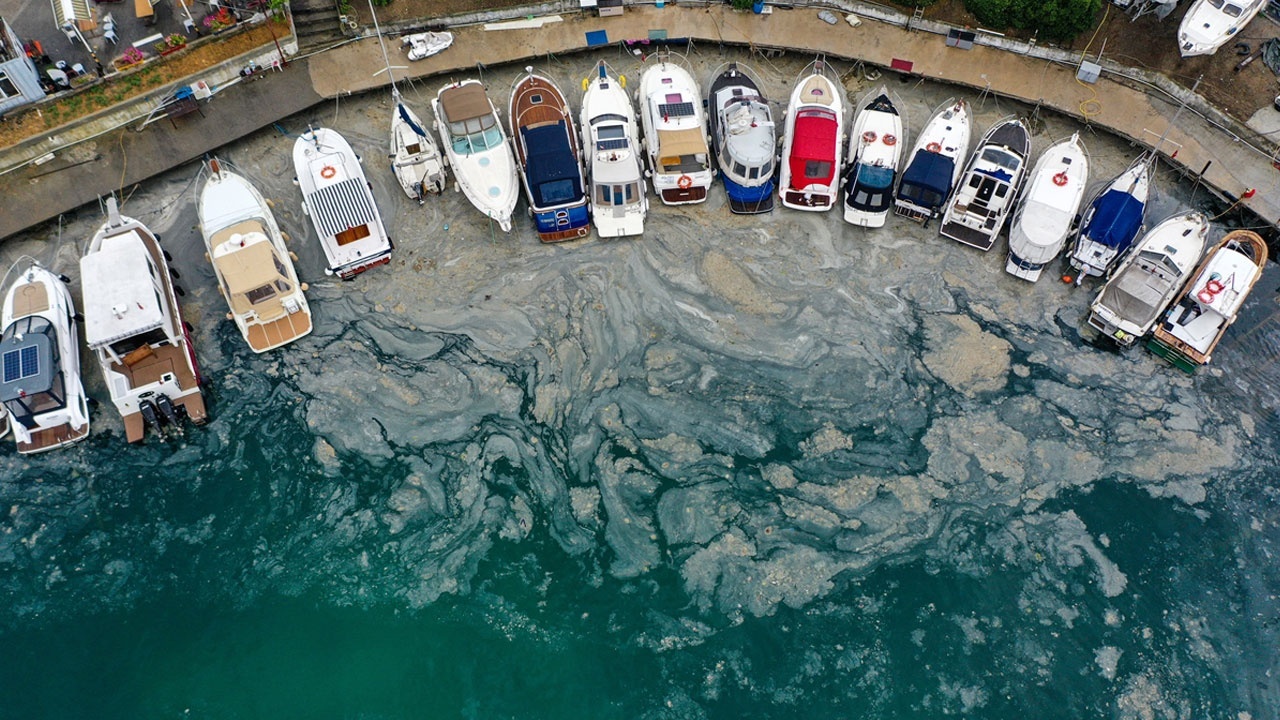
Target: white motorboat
point(134, 327)
point(254, 268)
point(935, 163)
point(1149, 278)
point(619, 201)
point(675, 133)
point(1197, 321)
point(477, 147)
point(989, 186)
point(551, 167)
point(744, 139)
point(415, 156)
point(40, 389)
point(875, 153)
point(336, 196)
point(1048, 209)
point(425, 44)
point(813, 141)
point(1209, 24)
point(1112, 221)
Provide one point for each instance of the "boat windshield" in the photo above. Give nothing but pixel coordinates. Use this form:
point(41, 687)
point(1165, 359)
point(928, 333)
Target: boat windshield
point(1216, 3)
point(611, 137)
point(617, 195)
point(1004, 159)
point(475, 135)
point(871, 188)
point(1233, 10)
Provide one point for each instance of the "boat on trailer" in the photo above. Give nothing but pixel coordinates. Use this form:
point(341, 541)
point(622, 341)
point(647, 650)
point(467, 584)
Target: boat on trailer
point(547, 149)
point(743, 137)
point(935, 163)
point(875, 153)
point(1112, 221)
point(813, 141)
point(1193, 326)
point(337, 198)
point(990, 185)
point(40, 389)
point(1048, 209)
point(1209, 24)
point(134, 327)
point(675, 133)
point(619, 201)
point(477, 148)
point(254, 268)
point(1149, 278)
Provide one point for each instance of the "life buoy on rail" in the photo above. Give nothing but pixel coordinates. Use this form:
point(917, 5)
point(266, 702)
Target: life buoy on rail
point(868, 136)
point(933, 147)
point(1060, 179)
point(328, 171)
point(1206, 297)
point(1214, 286)
point(889, 140)
point(685, 182)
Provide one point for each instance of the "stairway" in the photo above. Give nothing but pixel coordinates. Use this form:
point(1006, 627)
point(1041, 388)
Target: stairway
point(316, 22)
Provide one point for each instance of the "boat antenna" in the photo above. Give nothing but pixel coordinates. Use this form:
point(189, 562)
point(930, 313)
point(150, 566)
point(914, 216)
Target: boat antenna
point(385, 58)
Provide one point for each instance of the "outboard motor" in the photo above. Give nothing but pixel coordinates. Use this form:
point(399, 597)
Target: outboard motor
point(149, 414)
point(167, 410)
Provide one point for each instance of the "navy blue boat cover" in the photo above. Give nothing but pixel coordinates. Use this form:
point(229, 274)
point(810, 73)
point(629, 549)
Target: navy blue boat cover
point(1116, 219)
point(552, 169)
point(929, 174)
point(405, 116)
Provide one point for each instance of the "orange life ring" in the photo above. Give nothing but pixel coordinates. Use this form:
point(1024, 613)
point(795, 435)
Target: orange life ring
point(328, 171)
point(1060, 179)
point(869, 136)
point(1214, 286)
point(685, 182)
point(889, 140)
point(933, 147)
point(1205, 296)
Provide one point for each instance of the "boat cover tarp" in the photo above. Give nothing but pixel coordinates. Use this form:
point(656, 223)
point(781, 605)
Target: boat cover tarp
point(815, 140)
point(1116, 220)
point(465, 102)
point(929, 171)
point(552, 169)
point(341, 206)
point(1271, 54)
point(404, 115)
point(677, 143)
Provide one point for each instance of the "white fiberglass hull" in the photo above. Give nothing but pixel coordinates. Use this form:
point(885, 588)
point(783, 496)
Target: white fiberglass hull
point(1048, 209)
point(875, 150)
point(1114, 216)
point(610, 137)
point(485, 172)
point(415, 156)
point(813, 142)
point(675, 134)
point(1206, 28)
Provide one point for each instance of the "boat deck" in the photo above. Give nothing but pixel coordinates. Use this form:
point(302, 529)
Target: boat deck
point(265, 336)
point(54, 437)
point(817, 90)
point(29, 299)
point(163, 360)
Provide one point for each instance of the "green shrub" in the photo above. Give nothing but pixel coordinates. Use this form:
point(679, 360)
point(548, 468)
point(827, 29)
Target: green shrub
point(1053, 20)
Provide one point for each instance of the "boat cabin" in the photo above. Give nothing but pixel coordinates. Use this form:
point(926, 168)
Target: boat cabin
point(129, 309)
point(471, 123)
point(32, 380)
point(253, 278)
point(927, 180)
point(872, 188)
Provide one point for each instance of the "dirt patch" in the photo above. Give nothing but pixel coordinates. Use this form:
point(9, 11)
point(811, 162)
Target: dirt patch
point(20, 126)
point(1152, 44)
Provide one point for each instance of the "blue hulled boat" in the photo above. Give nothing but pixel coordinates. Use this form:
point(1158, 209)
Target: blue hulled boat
point(742, 131)
point(1113, 220)
point(547, 150)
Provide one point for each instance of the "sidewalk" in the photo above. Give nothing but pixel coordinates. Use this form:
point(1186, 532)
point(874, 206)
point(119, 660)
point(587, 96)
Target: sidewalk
point(126, 157)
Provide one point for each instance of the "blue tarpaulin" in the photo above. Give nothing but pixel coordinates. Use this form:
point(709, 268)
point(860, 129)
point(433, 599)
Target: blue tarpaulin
point(1117, 217)
point(927, 181)
point(597, 37)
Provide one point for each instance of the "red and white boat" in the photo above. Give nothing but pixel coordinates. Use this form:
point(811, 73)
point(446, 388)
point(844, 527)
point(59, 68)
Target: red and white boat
point(813, 140)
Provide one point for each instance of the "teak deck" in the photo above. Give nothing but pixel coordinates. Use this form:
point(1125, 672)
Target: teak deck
point(50, 438)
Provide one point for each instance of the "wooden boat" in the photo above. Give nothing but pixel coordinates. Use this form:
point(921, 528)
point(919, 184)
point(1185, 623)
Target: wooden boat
point(1149, 278)
point(337, 198)
point(875, 153)
point(134, 327)
point(1047, 212)
point(1209, 24)
point(990, 185)
point(1113, 221)
point(1192, 328)
point(743, 137)
point(813, 141)
point(551, 167)
point(477, 148)
point(619, 201)
point(40, 387)
point(254, 268)
point(675, 133)
point(935, 163)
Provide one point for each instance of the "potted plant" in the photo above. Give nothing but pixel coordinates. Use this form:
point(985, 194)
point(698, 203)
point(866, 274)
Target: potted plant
point(171, 44)
point(130, 57)
point(220, 20)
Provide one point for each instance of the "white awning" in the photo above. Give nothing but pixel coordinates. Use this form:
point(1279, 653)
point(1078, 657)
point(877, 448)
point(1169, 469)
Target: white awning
point(66, 11)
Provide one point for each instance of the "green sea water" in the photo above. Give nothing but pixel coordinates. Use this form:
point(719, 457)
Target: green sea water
point(757, 467)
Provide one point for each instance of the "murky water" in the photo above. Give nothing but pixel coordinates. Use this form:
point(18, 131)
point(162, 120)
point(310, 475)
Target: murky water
point(739, 467)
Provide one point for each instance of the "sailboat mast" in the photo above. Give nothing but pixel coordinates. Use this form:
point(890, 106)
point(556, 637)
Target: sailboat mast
point(385, 58)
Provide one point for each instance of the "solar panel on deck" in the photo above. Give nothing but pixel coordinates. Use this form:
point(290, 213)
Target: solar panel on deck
point(21, 363)
point(11, 366)
point(612, 144)
point(680, 109)
point(30, 361)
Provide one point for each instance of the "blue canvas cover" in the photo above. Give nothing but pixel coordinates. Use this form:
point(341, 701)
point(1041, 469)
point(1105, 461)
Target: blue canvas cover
point(552, 168)
point(927, 181)
point(1116, 219)
point(408, 120)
